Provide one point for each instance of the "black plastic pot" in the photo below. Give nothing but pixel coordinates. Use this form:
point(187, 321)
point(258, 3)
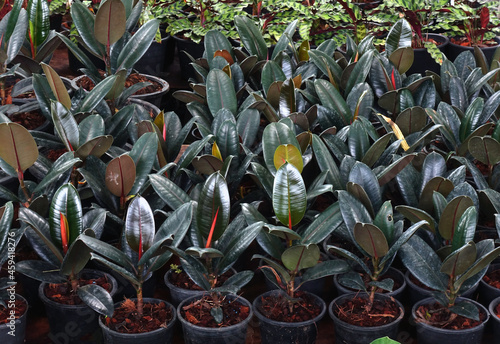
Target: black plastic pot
point(351, 334)
point(13, 332)
point(157, 57)
point(195, 50)
point(495, 320)
point(177, 294)
point(417, 293)
point(423, 61)
point(234, 334)
point(159, 336)
point(277, 332)
point(74, 323)
point(487, 292)
point(432, 335)
point(393, 273)
point(154, 98)
point(453, 50)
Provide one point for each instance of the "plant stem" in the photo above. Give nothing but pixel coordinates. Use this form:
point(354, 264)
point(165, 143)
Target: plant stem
point(140, 302)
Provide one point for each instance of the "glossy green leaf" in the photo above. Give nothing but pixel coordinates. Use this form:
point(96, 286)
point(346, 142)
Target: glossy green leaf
point(17, 146)
point(97, 147)
point(220, 92)
point(371, 239)
point(84, 21)
point(137, 45)
point(437, 184)
point(97, 298)
point(399, 36)
point(108, 251)
point(485, 149)
point(465, 229)
point(362, 175)
point(460, 260)
point(40, 271)
point(271, 72)
point(271, 264)
point(331, 98)
point(300, 257)
point(77, 258)
point(213, 199)
point(412, 120)
point(451, 214)
point(276, 134)
point(38, 16)
point(139, 225)
point(289, 195)
point(466, 309)
point(57, 86)
point(324, 269)
point(143, 153)
point(323, 225)
point(110, 20)
point(215, 41)
point(423, 263)
point(250, 36)
point(16, 39)
point(415, 215)
point(66, 201)
point(94, 97)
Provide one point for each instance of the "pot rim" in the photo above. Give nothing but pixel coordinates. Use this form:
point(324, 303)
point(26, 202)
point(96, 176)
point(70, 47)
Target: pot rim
point(261, 316)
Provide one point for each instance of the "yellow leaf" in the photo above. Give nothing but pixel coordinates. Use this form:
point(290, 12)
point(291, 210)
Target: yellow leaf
point(396, 131)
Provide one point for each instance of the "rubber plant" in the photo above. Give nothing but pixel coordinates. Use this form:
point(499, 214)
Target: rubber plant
point(109, 37)
point(296, 252)
point(215, 242)
point(13, 28)
point(143, 247)
point(40, 42)
point(62, 255)
point(372, 229)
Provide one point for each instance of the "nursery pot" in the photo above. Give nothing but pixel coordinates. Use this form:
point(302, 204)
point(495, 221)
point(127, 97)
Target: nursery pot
point(417, 293)
point(159, 336)
point(487, 292)
point(495, 319)
point(14, 330)
point(393, 273)
point(157, 56)
point(432, 335)
point(275, 332)
point(346, 333)
point(453, 50)
point(154, 98)
point(195, 50)
point(423, 61)
point(73, 323)
point(234, 334)
point(177, 295)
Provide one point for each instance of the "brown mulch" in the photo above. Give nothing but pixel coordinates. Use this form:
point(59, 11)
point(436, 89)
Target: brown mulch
point(355, 312)
point(19, 309)
point(126, 320)
point(463, 41)
point(493, 278)
point(277, 308)
point(182, 280)
point(30, 120)
point(63, 293)
point(198, 312)
point(134, 78)
point(439, 316)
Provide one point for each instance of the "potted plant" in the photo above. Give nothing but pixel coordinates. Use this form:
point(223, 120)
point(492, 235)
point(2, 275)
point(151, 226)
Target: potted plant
point(472, 25)
point(141, 253)
point(212, 311)
point(290, 314)
point(445, 316)
point(127, 48)
point(67, 290)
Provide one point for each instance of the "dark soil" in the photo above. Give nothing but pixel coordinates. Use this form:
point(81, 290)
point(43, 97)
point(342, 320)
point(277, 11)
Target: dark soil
point(29, 120)
point(493, 278)
point(438, 316)
point(134, 78)
point(198, 312)
point(354, 312)
point(126, 320)
point(463, 41)
point(278, 308)
point(182, 280)
point(54, 154)
point(63, 293)
point(19, 309)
